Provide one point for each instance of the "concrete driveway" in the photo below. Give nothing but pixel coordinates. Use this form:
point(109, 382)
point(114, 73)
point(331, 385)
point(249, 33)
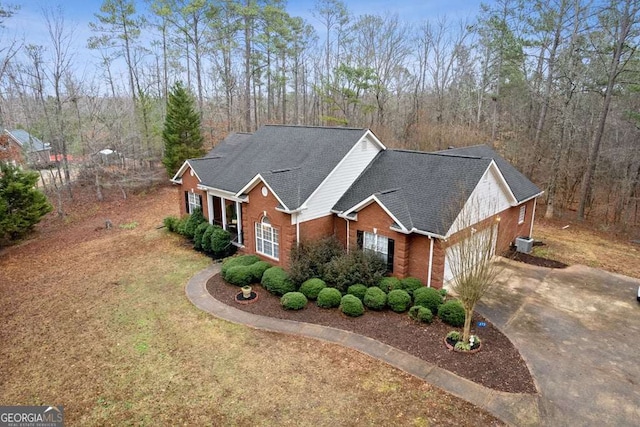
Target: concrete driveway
point(579, 331)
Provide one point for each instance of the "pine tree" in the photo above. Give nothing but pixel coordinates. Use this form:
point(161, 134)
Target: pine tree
point(21, 204)
point(181, 134)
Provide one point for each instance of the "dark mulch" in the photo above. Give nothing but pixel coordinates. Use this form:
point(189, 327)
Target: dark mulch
point(533, 260)
point(498, 365)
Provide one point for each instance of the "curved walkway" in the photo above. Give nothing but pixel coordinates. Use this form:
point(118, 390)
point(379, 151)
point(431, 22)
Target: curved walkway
point(512, 408)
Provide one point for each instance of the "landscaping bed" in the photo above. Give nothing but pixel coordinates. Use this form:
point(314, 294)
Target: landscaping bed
point(498, 366)
point(533, 259)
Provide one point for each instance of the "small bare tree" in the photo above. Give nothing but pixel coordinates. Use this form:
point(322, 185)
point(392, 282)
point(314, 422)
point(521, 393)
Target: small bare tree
point(471, 255)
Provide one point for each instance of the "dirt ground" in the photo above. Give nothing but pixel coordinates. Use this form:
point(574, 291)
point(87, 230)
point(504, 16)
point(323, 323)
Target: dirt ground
point(97, 320)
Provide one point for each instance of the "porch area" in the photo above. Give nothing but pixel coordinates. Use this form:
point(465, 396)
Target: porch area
point(226, 212)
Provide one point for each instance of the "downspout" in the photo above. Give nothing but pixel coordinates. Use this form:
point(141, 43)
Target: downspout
point(347, 234)
point(297, 230)
point(533, 215)
point(430, 261)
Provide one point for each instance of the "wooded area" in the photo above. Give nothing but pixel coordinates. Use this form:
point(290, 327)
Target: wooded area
point(552, 85)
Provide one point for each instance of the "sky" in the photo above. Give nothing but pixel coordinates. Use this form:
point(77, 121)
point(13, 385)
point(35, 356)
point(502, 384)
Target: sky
point(28, 22)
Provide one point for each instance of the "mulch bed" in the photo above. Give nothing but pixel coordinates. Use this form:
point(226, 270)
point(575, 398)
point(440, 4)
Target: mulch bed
point(533, 260)
point(498, 366)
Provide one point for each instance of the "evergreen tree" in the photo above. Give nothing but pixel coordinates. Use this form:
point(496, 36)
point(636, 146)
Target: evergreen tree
point(21, 204)
point(181, 134)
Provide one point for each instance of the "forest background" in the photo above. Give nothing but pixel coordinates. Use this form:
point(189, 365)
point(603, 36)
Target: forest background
point(552, 85)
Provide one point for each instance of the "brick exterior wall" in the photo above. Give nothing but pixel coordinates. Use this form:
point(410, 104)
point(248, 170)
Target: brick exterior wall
point(253, 212)
point(190, 183)
point(10, 151)
point(318, 228)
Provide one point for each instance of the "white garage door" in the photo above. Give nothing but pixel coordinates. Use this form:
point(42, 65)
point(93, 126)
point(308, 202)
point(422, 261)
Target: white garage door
point(453, 253)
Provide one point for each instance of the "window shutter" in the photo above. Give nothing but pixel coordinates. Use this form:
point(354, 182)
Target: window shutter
point(390, 249)
point(360, 239)
point(200, 199)
point(186, 201)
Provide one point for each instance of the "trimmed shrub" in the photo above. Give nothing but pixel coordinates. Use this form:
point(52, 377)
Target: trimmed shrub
point(193, 221)
point(351, 306)
point(238, 260)
point(220, 243)
point(239, 275)
point(181, 226)
point(410, 284)
point(277, 281)
point(427, 297)
point(257, 269)
point(199, 234)
point(357, 290)
point(312, 287)
point(421, 314)
point(399, 300)
point(309, 258)
point(387, 284)
point(171, 222)
point(443, 292)
point(452, 313)
point(355, 267)
point(375, 298)
point(329, 298)
point(293, 301)
point(206, 238)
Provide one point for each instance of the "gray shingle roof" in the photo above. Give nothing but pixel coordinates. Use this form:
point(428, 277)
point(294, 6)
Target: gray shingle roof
point(294, 160)
point(520, 185)
point(420, 189)
point(27, 141)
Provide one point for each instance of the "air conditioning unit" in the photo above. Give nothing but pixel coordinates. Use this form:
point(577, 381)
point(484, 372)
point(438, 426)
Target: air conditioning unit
point(524, 244)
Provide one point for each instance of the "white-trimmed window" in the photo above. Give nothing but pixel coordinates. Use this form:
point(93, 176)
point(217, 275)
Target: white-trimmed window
point(195, 202)
point(380, 245)
point(523, 213)
point(267, 242)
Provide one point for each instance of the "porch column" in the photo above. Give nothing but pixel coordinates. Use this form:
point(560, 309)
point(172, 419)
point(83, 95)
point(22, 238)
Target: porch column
point(239, 219)
point(210, 207)
point(224, 213)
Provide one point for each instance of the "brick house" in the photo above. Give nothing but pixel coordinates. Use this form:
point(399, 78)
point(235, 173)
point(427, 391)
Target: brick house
point(34, 151)
point(287, 184)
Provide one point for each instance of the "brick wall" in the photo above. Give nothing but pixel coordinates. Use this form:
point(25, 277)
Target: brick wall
point(253, 212)
point(190, 183)
point(317, 228)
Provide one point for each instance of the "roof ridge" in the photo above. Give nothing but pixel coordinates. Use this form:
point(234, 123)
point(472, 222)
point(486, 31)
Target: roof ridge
point(438, 153)
point(315, 127)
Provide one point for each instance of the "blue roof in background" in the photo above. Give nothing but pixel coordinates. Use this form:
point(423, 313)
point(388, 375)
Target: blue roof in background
point(27, 141)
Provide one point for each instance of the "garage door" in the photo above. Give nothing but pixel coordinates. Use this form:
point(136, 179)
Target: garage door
point(472, 250)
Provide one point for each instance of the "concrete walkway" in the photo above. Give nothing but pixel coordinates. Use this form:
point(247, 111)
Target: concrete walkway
point(514, 409)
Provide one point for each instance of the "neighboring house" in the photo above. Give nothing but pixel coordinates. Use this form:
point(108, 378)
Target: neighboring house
point(288, 184)
point(35, 151)
point(10, 151)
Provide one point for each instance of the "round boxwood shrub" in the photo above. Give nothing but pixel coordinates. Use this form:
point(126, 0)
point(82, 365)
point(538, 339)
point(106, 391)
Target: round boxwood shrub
point(427, 297)
point(410, 284)
point(239, 275)
point(293, 301)
point(388, 284)
point(357, 290)
point(375, 298)
point(196, 218)
point(257, 269)
point(351, 306)
point(312, 287)
point(277, 281)
point(452, 313)
point(329, 298)
point(238, 260)
point(421, 314)
point(220, 243)
point(399, 300)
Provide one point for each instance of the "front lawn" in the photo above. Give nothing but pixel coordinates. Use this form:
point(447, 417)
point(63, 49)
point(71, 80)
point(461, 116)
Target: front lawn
point(97, 320)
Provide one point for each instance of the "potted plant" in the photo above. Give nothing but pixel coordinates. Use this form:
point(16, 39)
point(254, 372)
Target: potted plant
point(246, 292)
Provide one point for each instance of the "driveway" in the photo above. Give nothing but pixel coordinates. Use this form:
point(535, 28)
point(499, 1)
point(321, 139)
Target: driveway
point(579, 331)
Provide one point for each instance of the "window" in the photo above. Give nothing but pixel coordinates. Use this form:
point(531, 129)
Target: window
point(523, 212)
point(192, 201)
point(267, 242)
point(381, 245)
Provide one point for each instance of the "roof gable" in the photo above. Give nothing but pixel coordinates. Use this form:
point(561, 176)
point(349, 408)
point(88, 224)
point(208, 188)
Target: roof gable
point(27, 141)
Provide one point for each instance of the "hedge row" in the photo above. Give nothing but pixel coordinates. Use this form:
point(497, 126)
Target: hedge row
point(207, 238)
